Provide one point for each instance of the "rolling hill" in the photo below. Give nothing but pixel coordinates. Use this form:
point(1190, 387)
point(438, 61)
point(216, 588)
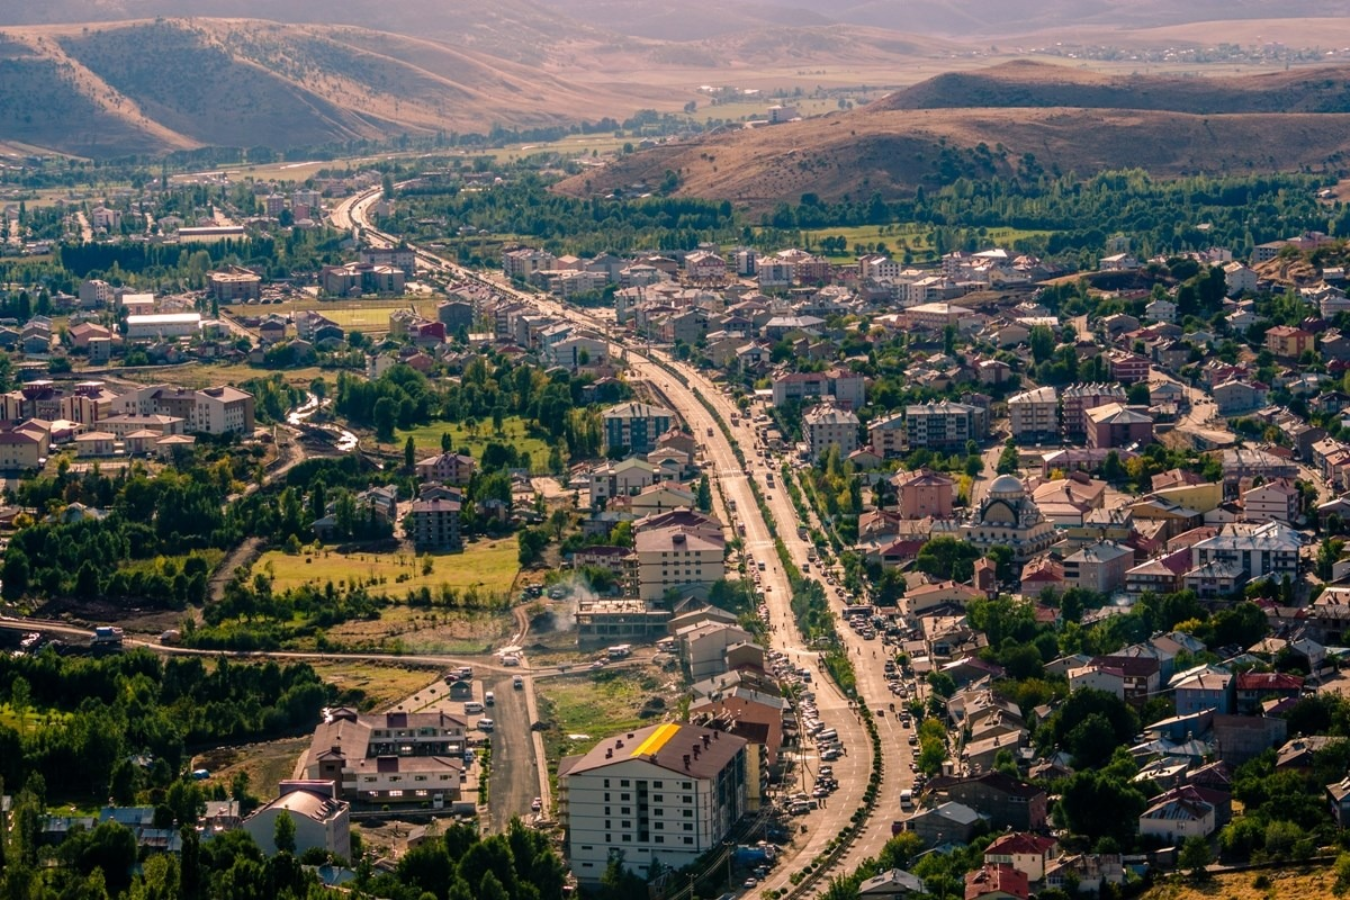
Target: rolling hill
point(138, 87)
point(924, 137)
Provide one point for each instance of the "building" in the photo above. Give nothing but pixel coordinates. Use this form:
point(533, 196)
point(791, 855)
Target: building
point(635, 427)
point(1236, 398)
point(1005, 801)
point(524, 263)
point(1275, 501)
point(23, 449)
point(665, 794)
point(1239, 279)
point(687, 560)
point(886, 434)
point(893, 884)
point(1207, 689)
point(321, 820)
point(1027, 853)
point(1115, 425)
point(1007, 517)
point(622, 479)
point(827, 426)
point(355, 279)
point(1034, 416)
point(1288, 341)
point(401, 257)
point(1255, 549)
point(924, 493)
point(845, 389)
point(1128, 368)
point(447, 468)
point(389, 758)
point(1177, 818)
point(235, 285)
point(163, 325)
point(944, 425)
point(96, 294)
point(1079, 398)
point(434, 525)
point(216, 410)
point(1099, 567)
point(997, 882)
point(1255, 688)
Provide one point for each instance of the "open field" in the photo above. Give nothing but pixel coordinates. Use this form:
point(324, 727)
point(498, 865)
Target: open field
point(915, 237)
point(380, 684)
point(584, 708)
point(428, 440)
point(1289, 884)
point(357, 315)
point(265, 764)
point(406, 629)
point(31, 721)
point(196, 375)
point(489, 566)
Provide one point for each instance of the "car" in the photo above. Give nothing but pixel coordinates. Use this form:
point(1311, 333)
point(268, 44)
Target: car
point(537, 804)
point(489, 699)
point(820, 792)
point(751, 882)
point(831, 754)
point(486, 725)
point(510, 661)
point(826, 770)
point(598, 664)
point(518, 683)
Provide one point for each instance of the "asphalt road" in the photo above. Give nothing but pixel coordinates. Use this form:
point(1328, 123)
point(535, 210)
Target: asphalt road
point(514, 780)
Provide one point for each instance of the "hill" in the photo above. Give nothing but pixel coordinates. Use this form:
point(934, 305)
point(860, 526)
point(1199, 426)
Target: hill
point(99, 90)
point(892, 147)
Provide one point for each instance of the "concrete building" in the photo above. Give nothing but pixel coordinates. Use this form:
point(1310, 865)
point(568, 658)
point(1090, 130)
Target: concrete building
point(666, 794)
point(23, 449)
point(217, 410)
point(433, 525)
point(235, 285)
point(389, 758)
point(447, 468)
point(321, 820)
point(826, 426)
point(924, 493)
point(1115, 425)
point(635, 426)
point(1034, 416)
point(1079, 398)
point(886, 434)
point(1256, 549)
point(684, 559)
point(1176, 819)
point(845, 389)
point(1276, 501)
point(96, 294)
point(1099, 567)
point(163, 325)
point(945, 425)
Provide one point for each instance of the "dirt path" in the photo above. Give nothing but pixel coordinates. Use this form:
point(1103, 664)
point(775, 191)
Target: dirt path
point(242, 555)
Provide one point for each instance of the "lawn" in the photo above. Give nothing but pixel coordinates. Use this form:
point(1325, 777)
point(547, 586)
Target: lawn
point(32, 721)
point(428, 440)
point(490, 566)
point(914, 236)
point(585, 708)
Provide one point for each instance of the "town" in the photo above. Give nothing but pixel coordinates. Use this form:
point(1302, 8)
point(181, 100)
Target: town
point(728, 569)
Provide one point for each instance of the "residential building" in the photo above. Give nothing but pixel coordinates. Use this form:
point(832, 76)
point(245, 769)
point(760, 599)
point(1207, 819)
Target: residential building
point(1275, 501)
point(1099, 567)
point(1034, 416)
point(1115, 425)
point(163, 325)
point(622, 479)
point(635, 426)
point(447, 468)
point(944, 425)
point(946, 823)
point(1133, 679)
point(1239, 279)
point(1027, 853)
point(524, 263)
point(893, 884)
point(434, 525)
point(1206, 689)
point(1078, 400)
point(997, 882)
point(389, 758)
point(235, 285)
point(1177, 818)
point(1255, 549)
point(1236, 398)
point(96, 294)
point(845, 389)
point(1255, 688)
point(321, 820)
point(355, 279)
point(1128, 368)
point(886, 434)
point(1288, 341)
point(24, 449)
point(401, 257)
point(826, 426)
point(216, 410)
point(665, 794)
point(924, 493)
point(1005, 801)
point(680, 558)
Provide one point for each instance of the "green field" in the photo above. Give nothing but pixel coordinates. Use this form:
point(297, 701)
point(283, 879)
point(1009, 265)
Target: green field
point(462, 440)
point(584, 709)
point(355, 315)
point(488, 565)
point(199, 375)
point(913, 236)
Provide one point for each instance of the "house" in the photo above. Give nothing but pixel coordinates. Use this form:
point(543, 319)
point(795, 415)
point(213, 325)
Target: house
point(1339, 795)
point(1115, 425)
point(321, 820)
point(1132, 679)
point(1254, 688)
point(924, 493)
point(892, 884)
point(1236, 398)
point(1007, 802)
point(1177, 818)
point(621, 479)
point(1206, 689)
point(663, 772)
point(447, 468)
point(1288, 341)
point(946, 823)
point(1027, 853)
point(997, 882)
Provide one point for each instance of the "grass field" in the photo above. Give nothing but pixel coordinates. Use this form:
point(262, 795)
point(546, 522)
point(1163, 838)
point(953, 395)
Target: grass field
point(366, 316)
point(200, 376)
point(915, 237)
point(428, 440)
point(585, 708)
point(1289, 884)
point(31, 721)
point(489, 566)
point(381, 684)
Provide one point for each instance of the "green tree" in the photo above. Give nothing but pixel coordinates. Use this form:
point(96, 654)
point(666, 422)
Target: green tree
point(283, 833)
point(947, 558)
point(1042, 341)
point(409, 453)
point(1195, 855)
point(1009, 460)
point(704, 498)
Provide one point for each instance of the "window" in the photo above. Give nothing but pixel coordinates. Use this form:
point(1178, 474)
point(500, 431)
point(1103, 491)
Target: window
point(660, 826)
point(607, 825)
point(626, 824)
point(688, 840)
point(687, 785)
point(625, 796)
point(587, 847)
point(688, 826)
point(608, 839)
point(660, 839)
point(606, 795)
point(688, 798)
point(623, 783)
point(606, 782)
point(625, 810)
point(657, 785)
point(688, 813)
point(627, 838)
point(394, 795)
point(606, 810)
point(658, 798)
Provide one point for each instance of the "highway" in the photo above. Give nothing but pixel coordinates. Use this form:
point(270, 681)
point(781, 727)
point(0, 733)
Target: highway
point(852, 771)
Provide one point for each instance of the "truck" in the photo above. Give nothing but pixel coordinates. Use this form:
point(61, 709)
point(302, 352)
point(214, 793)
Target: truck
point(106, 636)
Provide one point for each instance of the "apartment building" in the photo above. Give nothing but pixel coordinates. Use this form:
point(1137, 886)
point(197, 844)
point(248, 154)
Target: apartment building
point(217, 410)
point(1079, 398)
point(944, 425)
point(1034, 416)
point(827, 426)
point(687, 560)
point(635, 426)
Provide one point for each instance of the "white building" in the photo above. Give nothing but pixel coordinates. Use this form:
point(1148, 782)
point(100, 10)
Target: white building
point(827, 426)
point(683, 559)
point(163, 325)
point(665, 794)
point(217, 410)
point(320, 820)
point(1034, 415)
point(1178, 818)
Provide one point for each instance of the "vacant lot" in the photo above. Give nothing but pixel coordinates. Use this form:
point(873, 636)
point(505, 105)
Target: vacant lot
point(915, 237)
point(472, 441)
point(486, 566)
point(422, 631)
point(584, 708)
point(265, 764)
point(374, 685)
point(1290, 884)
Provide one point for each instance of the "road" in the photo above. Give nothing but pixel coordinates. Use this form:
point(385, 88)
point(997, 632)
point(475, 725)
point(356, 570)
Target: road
point(852, 771)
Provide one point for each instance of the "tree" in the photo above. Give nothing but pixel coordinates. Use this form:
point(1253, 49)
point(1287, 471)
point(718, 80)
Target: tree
point(1097, 806)
point(1009, 460)
point(386, 417)
point(1195, 855)
point(283, 833)
point(409, 453)
point(1042, 341)
point(445, 442)
point(705, 500)
point(947, 558)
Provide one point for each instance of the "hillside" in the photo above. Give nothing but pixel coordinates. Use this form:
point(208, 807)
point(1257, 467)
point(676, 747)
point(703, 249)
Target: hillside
point(892, 148)
point(97, 91)
point(1032, 84)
